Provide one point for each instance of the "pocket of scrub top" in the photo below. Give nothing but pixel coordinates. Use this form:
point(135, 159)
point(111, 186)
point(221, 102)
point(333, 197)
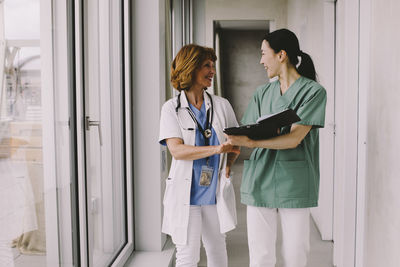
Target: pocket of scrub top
point(292, 179)
point(247, 185)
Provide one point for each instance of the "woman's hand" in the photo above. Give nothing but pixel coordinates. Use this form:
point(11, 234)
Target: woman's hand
point(233, 153)
point(239, 140)
point(227, 171)
point(227, 148)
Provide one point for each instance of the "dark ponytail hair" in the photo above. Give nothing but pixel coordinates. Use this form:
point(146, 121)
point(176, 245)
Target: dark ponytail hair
point(284, 39)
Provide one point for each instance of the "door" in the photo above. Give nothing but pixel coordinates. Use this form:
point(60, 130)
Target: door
point(104, 201)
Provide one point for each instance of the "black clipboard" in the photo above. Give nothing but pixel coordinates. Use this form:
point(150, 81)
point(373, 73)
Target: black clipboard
point(266, 126)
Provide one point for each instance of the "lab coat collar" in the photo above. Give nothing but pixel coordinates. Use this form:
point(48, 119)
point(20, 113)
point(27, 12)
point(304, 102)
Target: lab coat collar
point(207, 100)
point(184, 101)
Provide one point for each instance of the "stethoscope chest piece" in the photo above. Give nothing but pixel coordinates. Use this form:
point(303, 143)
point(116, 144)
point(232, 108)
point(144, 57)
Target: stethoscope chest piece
point(207, 133)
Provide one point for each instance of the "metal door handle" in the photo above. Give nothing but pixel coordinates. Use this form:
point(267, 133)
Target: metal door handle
point(89, 123)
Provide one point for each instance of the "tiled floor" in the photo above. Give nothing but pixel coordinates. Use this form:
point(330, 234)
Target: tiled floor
point(321, 254)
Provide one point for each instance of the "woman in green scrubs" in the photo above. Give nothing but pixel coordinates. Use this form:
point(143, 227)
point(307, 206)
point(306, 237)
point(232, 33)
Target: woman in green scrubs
point(282, 175)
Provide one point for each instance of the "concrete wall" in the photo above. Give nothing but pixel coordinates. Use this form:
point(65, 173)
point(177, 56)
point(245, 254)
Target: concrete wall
point(241, 71)
point(240, 67)
point(383, 168)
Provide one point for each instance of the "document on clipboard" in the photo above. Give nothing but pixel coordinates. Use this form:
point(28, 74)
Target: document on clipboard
point(266, 126)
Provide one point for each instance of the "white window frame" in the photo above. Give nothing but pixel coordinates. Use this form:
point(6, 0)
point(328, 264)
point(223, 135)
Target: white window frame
point(129, 247)
point(54, 66)
point(57, 182)
point(49, 147)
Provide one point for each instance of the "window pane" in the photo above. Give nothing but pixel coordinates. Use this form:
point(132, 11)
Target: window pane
point(22, 209)
point(104, 102)
point(15, 26)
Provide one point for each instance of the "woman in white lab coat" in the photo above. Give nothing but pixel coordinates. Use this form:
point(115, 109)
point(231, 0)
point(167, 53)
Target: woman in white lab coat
point(199, 200)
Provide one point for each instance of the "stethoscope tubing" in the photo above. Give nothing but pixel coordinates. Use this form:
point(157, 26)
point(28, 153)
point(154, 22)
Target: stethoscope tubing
point(178, 106)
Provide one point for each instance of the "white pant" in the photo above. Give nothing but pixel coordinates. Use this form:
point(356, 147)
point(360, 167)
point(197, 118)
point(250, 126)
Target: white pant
point(204, 225)
point(262, 231)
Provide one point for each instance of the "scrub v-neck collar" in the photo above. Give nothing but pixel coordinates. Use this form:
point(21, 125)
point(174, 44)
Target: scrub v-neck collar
point(283, 100)
point(290, 87)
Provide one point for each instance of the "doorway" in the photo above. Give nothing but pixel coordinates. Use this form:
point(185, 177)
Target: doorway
point(238, 67)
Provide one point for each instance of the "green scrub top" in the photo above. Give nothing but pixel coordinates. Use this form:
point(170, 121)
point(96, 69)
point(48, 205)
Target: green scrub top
point(286, 178)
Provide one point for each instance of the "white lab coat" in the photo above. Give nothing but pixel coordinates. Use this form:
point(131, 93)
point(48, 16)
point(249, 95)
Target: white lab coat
point(177, 192)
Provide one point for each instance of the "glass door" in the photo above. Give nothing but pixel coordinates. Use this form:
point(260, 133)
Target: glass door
point(103, 117)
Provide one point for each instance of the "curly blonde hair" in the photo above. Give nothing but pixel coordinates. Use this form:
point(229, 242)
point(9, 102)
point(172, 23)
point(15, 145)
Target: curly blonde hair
point(186, 62)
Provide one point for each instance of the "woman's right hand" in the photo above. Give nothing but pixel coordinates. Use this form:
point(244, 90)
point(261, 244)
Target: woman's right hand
point(227, 148)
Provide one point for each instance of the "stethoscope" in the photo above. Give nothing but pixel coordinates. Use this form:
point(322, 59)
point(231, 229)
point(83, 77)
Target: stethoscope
point(210, 114)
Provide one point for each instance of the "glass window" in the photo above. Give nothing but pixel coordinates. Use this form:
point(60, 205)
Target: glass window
point(22, 209)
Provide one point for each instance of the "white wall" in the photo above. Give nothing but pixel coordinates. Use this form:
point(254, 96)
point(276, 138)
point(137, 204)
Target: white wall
point(346, 117)
point(305, 18)
point(148, 95)
point(383, 168)
point(199, 16)
point(313, 22)
point(236, 10)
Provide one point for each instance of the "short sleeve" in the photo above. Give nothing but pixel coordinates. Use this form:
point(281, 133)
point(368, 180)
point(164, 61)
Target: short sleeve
point(231, 117)
point(312, 111)
point(169, 126)
point(252, 112)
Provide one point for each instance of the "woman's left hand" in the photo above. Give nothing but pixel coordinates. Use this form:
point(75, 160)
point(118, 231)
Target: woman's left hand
point(227, 171)
point(239, 140)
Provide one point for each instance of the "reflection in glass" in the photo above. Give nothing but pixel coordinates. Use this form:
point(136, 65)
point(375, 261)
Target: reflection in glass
point(22, 213)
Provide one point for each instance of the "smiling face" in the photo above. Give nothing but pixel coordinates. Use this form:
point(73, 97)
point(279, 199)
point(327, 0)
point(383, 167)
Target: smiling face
point(205, 74)
point(272, 61)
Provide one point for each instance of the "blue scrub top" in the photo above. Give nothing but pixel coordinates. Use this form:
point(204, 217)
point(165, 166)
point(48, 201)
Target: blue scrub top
point(204, 195)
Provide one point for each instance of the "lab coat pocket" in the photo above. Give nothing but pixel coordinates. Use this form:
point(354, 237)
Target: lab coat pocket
point(226, 204)
point(168, 190)
point(292, 179)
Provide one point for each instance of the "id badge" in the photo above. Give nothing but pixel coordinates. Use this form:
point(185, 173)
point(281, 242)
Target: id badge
point(206, 175)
